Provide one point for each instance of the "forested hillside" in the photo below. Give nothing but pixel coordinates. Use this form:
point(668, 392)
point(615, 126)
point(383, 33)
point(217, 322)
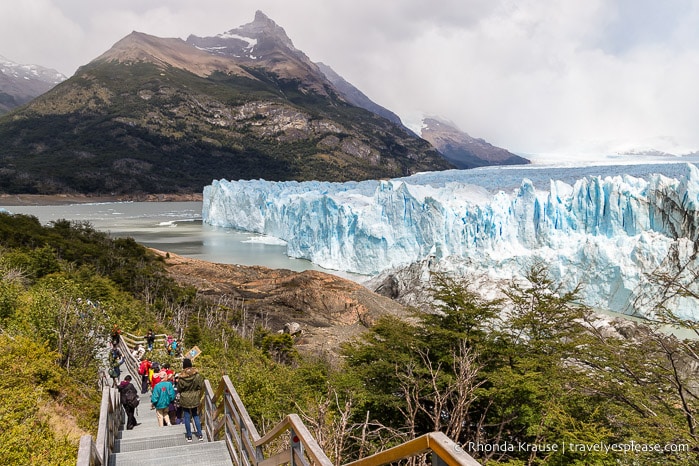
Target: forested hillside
point(529, 379)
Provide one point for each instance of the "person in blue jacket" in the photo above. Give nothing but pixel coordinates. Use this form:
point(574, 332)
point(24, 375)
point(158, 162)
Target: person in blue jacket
point(163, 395)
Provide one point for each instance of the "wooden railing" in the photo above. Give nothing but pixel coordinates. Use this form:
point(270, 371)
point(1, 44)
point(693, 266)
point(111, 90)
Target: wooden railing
point(97, 453)
point(225, 418)
point(443, 449)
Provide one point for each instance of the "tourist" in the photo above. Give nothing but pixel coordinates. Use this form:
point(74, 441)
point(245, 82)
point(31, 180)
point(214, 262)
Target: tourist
point(129, 400)
point(190, 385)
point(116, 335)
point(143, 370)
point(158, 376)
point(115, 361)
point(150, 339)
point(138, 352)
point(163, 394)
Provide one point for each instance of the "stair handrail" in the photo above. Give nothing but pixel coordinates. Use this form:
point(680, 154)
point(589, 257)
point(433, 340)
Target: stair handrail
point(444, 451)
point(134, 340)
point(225, 412)
point(225, 416)
point(130, 362)
point(96, 453)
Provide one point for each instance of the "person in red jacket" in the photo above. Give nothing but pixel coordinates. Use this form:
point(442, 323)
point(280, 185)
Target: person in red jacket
point(158, 377)
point(143, 369)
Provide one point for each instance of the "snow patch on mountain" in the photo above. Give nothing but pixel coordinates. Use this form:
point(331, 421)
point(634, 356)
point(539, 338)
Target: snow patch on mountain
point(30, 72)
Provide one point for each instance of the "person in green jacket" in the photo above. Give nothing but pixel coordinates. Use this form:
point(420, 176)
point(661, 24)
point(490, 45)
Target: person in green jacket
point(163, 395)
point(190, 385)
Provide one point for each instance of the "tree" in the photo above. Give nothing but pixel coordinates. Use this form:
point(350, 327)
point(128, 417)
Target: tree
point(458, 314)
point(58, 313)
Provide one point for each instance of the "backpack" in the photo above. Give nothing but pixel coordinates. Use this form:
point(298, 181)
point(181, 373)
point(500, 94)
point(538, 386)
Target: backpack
point(130, 396)
point(115, 354)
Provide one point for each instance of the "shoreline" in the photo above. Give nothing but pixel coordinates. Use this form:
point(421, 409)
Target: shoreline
point(63, 199)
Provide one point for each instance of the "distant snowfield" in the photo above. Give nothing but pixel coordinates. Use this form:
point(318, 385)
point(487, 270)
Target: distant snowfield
point(606, 227)
point(563, 160)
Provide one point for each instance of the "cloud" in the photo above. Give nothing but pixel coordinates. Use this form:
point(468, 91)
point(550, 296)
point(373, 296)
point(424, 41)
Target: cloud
point(36, 31)
point(529, 75)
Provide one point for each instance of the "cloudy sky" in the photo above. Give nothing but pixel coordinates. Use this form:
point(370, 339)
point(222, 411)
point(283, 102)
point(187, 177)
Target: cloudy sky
point(575, 78)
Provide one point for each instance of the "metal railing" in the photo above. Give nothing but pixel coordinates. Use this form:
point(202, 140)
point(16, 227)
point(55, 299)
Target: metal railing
point(225, 418)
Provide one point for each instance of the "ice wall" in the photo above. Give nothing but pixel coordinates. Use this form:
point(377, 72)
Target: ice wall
point(605, 232)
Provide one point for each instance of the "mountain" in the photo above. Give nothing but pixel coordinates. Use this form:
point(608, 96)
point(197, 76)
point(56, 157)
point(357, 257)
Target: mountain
point(355, 96)
point(163, 115)
point(613, 235)
point(464, 151)
point(21, 83)
point(264, 45)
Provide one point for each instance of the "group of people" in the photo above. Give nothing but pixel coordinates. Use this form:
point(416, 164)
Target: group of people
point(174, 397)
point(172, 346)
point(183, 393)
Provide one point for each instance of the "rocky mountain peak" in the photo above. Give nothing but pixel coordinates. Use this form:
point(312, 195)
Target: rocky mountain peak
point(463, 150)
point(254, 41)
point(140, 47)
point(263, 27)
point(264, 44)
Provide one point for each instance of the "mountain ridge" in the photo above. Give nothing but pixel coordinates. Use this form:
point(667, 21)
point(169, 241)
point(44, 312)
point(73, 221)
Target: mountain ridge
point(141, 47)
point(154, 115)
point(272, 49)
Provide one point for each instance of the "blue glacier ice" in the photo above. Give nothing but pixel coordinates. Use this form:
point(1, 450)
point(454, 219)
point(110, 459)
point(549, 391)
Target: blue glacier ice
point(606, 232)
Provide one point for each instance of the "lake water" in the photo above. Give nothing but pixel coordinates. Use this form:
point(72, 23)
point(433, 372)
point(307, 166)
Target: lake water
point(175, 227)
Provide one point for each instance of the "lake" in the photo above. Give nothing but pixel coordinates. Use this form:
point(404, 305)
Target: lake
point(175, 227)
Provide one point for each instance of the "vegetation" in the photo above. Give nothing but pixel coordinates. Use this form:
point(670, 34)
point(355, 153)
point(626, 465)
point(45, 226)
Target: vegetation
point(529, 379)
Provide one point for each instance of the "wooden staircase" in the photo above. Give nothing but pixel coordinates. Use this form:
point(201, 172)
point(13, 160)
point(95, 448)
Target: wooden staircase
point(230, 437)
point(149, 444)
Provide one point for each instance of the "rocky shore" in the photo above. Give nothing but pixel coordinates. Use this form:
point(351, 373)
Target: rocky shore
point(328, 309)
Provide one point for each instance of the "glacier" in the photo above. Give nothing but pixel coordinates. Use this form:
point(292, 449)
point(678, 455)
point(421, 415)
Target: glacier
point(606, 233)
